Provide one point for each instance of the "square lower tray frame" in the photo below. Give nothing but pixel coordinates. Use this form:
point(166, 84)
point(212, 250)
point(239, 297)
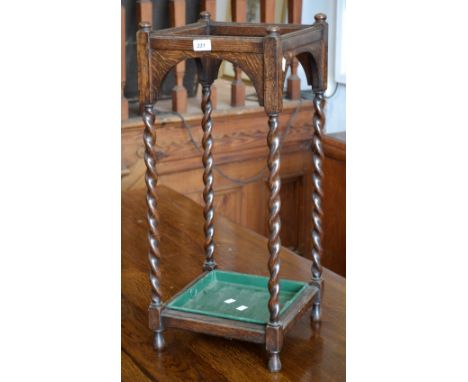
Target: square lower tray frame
point(228, 327)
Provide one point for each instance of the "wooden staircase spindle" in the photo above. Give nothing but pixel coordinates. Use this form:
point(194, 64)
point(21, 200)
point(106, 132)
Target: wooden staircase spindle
point(239, 14)
point(145, 11)
point(267, 11)
point(179, 93)
point(123, 66)
point(294, 82)
point(210, 7)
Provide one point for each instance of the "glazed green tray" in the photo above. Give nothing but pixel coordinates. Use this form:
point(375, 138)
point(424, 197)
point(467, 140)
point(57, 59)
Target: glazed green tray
point(235, 296)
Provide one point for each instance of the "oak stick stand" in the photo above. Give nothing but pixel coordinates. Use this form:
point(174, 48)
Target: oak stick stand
point(262, 51)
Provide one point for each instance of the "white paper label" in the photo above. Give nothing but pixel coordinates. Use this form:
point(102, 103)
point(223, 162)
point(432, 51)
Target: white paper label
point(201, 45)
point(284, 64)
point(242, 307)
point(229, 301)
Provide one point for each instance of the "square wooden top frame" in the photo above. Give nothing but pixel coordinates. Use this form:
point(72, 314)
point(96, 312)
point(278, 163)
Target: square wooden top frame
point(262, 51)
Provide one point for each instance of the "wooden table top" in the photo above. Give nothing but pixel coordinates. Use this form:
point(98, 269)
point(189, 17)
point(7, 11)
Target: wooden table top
point(340, 136)
point(309, 353)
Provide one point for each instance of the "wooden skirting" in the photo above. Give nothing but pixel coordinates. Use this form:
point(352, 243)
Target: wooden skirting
point(334, 203)
point(240, 152)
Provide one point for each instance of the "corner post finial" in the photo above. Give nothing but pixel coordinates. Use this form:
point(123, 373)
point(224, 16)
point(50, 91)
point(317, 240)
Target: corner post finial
point(320, 17)
point(145, 26)
point(205, 16)
point(273, 31)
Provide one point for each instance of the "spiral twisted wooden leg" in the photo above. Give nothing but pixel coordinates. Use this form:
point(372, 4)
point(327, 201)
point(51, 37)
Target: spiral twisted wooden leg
point(208, 194)
point(274, 222)
point(274, 333)
point(317, 195)
point(151, 179)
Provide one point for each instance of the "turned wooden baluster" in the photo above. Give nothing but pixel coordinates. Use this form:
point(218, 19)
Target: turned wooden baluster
point(267, 11)
point(208, 193)
point(210, 7)
point(318, 123)
point(294, 82)
point(123, 66)
point(179, 93)
point(239, 14)
point(145, 11)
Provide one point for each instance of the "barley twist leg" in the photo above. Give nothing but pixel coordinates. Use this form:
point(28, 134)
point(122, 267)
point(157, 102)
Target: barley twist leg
point(317, 196)
point(151, 178)
point(208, 193)
point(274, 242)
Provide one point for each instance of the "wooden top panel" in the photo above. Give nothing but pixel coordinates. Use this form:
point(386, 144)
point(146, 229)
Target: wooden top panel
point(231, 30)
point(190, 29)
point(236, 37)
point(251, 29)
point(309, 353)
point(302, 37)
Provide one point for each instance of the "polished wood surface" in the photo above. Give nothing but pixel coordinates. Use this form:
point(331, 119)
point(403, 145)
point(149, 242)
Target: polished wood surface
point(334, 203)
point(309, 353)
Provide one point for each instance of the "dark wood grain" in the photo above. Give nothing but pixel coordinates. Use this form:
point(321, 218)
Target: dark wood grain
point(244, 44)
point(309, 353)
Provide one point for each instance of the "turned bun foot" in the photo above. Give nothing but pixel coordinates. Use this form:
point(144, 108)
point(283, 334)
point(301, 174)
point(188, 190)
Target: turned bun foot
point(315, 314)
point(158, 341)
point(274, 363)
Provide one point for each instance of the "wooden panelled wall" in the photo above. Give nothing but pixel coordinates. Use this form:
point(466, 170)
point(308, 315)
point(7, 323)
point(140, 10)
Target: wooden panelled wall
point(240, 152)
point(334, 203)
point(177, 15)
point(240, 148)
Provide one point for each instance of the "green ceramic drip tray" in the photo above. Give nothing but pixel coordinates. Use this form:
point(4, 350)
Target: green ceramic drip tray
point(235, 296)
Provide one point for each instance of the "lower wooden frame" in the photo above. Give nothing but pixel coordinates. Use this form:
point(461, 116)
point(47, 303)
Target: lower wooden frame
point(165, 317)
